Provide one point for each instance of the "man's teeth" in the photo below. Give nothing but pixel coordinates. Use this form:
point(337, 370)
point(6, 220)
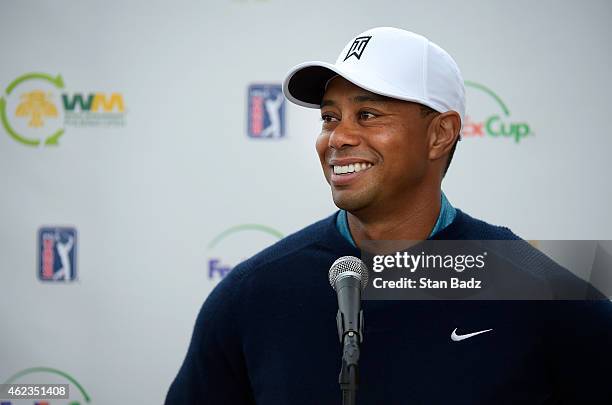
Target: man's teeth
point(353, 167)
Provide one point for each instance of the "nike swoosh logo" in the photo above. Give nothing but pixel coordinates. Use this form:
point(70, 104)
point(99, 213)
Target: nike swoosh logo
point(458, 338)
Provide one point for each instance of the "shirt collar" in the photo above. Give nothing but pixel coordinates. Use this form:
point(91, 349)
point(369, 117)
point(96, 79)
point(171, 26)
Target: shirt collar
point(445, 218)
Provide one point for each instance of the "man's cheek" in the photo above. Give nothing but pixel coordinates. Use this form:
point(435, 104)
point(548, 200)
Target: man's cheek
point(321, 145)
point(321, 152)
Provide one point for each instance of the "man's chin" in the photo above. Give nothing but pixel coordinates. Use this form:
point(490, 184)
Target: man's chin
point(350, 203)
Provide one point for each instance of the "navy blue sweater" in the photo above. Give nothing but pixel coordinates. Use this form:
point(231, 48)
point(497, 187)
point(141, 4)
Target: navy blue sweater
point(267, 335)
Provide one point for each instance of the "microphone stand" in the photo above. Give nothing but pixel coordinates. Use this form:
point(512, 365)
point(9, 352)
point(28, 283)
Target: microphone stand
point(349, 373)
point(345, 276)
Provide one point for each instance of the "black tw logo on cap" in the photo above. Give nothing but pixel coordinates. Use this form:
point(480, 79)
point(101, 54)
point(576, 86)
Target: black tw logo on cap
point(357, 47)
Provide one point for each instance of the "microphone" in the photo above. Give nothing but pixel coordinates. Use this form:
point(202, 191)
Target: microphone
point(348, 276)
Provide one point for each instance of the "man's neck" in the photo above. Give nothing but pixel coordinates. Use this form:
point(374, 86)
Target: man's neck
point(411, 220)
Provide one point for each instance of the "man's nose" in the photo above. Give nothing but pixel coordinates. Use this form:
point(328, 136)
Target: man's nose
point(346, 133)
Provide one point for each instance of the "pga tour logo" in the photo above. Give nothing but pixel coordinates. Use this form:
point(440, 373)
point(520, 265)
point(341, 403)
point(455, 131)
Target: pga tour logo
point(266, 111)
point(57, 254)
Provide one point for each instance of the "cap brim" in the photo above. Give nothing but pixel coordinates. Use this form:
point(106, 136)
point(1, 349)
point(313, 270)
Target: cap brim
point(305, 85)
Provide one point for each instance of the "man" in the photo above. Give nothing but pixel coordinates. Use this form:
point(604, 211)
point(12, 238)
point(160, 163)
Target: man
point(392, 108)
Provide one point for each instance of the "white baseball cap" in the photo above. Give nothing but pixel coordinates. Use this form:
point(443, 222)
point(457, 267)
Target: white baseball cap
point(387, 61)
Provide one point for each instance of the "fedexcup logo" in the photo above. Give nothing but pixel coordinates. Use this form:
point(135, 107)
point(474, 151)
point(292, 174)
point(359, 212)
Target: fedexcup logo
point(235, 245)
point(496, 122)
point(36, 109)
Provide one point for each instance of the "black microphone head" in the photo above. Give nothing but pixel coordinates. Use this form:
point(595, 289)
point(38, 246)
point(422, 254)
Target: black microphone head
point(348, 266)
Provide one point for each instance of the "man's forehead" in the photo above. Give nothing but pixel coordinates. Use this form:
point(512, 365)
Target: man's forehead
point(340, 88)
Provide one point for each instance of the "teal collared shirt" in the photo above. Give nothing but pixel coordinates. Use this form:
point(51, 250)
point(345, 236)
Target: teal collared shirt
point(445, 218)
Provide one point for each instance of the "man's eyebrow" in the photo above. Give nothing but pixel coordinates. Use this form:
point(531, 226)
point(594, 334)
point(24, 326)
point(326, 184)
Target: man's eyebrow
point(360, 99)
point(371, 97)
point(326, 103)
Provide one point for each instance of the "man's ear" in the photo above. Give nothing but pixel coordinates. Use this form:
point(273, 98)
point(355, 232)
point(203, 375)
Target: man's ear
point(443, 132)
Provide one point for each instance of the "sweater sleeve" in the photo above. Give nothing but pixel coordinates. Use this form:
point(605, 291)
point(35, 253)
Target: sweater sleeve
point(214, 370)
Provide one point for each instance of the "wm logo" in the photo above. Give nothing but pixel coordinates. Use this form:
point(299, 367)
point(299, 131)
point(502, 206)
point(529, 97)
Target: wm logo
point(94, 102)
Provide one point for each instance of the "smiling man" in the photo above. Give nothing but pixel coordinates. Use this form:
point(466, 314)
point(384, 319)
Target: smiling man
point(392, 107)
point(384, 159)
point(394, 101)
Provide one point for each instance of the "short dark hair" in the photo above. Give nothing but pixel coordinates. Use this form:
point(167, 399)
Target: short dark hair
point(425, 111)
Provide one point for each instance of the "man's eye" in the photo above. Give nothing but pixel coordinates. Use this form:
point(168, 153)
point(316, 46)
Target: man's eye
point(327, 118)
point(365, 115)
